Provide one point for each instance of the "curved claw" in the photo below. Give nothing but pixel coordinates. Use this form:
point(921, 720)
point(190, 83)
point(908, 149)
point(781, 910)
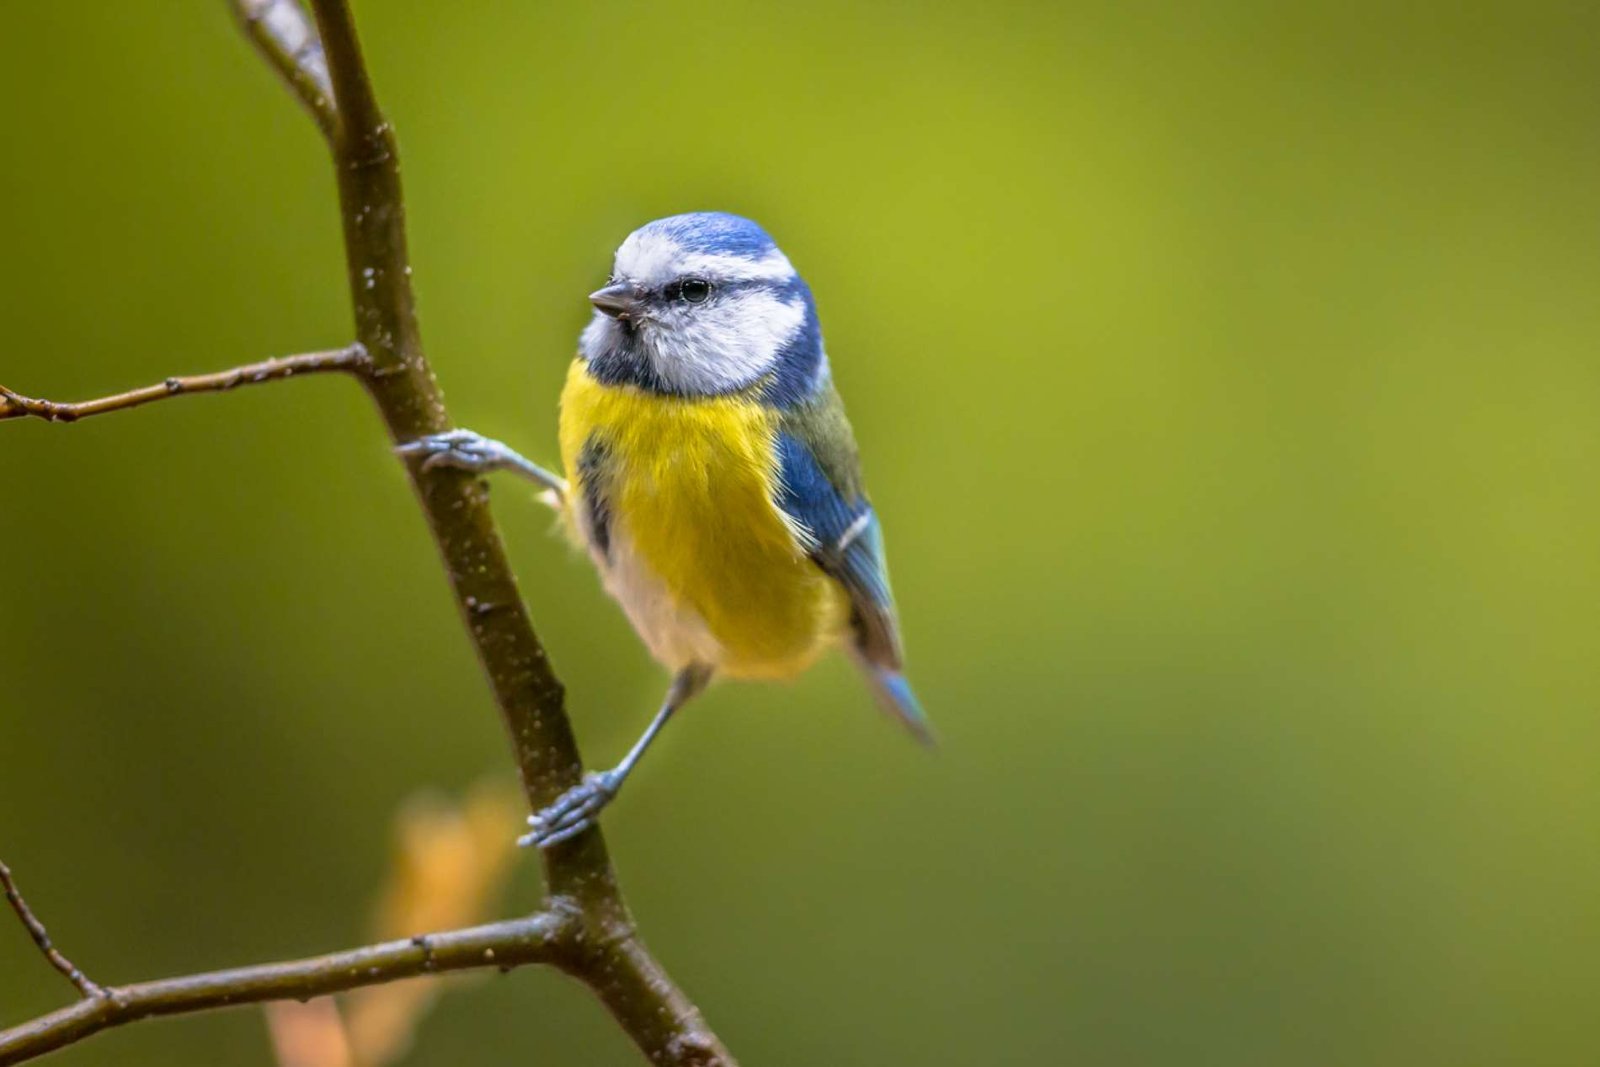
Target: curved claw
point(464, 450)
point(459, 449)
point(572, 813)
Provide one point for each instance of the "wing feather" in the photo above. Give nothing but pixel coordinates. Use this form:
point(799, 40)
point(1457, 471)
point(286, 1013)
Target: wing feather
point(847, 544)
point(821, 490)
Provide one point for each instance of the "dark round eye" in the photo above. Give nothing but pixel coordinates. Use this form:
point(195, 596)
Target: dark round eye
point(695, 290)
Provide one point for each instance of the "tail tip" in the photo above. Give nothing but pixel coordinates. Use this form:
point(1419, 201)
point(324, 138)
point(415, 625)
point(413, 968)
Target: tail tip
point(902, 703)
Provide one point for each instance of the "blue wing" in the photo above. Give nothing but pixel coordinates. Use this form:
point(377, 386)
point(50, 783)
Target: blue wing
point(849, 547)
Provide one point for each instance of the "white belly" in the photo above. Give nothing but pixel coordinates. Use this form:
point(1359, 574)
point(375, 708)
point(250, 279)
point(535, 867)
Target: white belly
point(674, 632)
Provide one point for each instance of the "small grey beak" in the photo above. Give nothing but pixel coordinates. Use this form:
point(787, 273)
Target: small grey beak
point(620, 301)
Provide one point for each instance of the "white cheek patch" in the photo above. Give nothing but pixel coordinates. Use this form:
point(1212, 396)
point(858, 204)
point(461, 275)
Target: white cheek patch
point(725, 345)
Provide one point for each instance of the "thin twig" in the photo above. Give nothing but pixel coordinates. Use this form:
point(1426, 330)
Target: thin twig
point(85, 985)
point(289, 41)
point(540, 938)
point(351, 359)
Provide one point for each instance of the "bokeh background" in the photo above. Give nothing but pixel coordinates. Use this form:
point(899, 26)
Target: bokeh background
point(1227, 381)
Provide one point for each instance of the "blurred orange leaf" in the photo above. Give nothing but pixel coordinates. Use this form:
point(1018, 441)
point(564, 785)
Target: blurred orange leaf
point(450, 864)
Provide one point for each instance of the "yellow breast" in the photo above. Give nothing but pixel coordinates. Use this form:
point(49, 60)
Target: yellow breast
point(688, 484)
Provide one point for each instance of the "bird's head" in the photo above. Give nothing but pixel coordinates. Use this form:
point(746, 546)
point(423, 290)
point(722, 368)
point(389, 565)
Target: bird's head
point(703, 305)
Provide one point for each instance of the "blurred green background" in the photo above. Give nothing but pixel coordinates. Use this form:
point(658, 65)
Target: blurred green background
point(1227, 381)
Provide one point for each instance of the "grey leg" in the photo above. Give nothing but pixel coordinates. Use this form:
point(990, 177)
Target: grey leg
point(575, 810)
point(464, 450)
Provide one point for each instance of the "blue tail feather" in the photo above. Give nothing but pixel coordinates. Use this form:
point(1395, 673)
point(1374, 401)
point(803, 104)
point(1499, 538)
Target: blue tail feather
point(895, 696)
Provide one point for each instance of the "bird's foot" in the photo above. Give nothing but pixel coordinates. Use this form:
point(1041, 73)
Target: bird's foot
point(573, 812)
point(464, 450)
point(461, 450)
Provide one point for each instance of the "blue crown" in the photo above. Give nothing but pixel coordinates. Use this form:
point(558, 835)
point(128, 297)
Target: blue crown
point(714, 232)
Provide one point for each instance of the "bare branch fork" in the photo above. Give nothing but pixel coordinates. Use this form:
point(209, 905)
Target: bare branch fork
point(539, 938)
point(584, 927)
point(41, 938)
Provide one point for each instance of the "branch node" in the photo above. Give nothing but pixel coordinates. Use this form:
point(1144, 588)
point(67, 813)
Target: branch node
point(422, 941)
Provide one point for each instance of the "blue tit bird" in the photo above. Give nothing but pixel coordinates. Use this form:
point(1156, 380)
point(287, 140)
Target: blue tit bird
point(713, 478)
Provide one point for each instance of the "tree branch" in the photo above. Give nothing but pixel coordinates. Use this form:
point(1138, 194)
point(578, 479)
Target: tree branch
point(660, 1018)
point(290, 44)
point(352, 359)
point(540, 938)
point(604, 951)
point(85, 985)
